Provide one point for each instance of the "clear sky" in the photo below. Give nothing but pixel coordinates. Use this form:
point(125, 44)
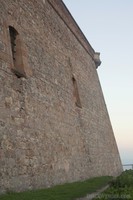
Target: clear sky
point(108, 26)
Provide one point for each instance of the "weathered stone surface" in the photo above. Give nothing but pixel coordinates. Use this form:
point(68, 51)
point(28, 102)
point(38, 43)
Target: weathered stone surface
point(45, 139)
point(2, 46)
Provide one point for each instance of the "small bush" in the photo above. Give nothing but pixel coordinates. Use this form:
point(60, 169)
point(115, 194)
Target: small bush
point(120, 188)
point(124, 180)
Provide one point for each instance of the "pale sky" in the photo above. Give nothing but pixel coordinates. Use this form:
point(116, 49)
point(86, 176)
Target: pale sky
point(108, 26)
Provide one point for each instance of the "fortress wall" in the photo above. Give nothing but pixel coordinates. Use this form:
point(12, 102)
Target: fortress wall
point(45, 138)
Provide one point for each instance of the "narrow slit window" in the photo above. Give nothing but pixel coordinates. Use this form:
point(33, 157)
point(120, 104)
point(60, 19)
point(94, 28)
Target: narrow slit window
point(13, 36)
point(76, 93)
point(15, 42)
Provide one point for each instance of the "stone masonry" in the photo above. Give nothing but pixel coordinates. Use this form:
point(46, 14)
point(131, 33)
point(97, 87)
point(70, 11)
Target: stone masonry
point(54, 124)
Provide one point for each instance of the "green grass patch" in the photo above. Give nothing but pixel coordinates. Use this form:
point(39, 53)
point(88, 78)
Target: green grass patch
point(68, 191)
point(120, 188)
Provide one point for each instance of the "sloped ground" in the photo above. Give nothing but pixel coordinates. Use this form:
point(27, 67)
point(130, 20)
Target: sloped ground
point(69, 191)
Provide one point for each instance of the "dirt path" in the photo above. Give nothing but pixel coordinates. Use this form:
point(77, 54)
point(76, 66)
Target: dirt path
point(93, 195)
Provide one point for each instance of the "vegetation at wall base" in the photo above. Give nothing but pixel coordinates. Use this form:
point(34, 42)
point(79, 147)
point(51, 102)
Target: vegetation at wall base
point(120, 188)
point(68, 191)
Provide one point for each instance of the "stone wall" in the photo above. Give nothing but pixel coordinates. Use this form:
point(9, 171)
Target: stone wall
point(45, 138)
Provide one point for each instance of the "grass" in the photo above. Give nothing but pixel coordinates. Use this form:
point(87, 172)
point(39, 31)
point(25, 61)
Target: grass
point(120, 188)
point(69, 191)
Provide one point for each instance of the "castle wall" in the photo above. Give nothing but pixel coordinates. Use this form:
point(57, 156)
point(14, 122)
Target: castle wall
point(45, 138)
